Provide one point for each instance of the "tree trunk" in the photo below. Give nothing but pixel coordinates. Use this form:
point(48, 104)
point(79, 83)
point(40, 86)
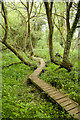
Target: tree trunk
point(25, 37)
point(65, 63)
point(49, 17)
point(79, 52)
point(66, 49)
point(70, 33)
point(29, 34)
point(51, 44)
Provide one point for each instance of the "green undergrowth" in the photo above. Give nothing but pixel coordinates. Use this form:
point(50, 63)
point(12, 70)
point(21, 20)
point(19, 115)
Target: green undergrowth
point(23, 100)
point(65, 81)
point(43, 53)
point(12, 58)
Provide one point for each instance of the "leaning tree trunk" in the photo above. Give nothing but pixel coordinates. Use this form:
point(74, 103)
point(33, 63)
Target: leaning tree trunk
point(18, 55)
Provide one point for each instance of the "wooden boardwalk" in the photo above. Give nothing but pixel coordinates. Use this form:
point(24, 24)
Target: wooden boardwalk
point(69, 105)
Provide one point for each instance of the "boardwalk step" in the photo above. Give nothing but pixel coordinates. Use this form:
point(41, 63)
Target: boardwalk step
point(74, 110)
point(62, 100)
point(65, 103)
point(71, 106)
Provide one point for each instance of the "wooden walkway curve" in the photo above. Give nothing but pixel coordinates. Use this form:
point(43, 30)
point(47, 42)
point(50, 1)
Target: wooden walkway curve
point(69, 105)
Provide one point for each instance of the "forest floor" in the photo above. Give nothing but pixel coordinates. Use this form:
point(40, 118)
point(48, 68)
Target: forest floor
point(23, 100)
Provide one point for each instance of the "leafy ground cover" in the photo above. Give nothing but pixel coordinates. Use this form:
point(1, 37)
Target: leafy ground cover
point(62, 80)
point(22, 100)
point(65, 81)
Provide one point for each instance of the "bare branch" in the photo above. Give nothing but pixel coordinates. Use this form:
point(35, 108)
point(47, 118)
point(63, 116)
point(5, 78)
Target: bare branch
point(43, 14)
point(75, 20)
point(59, 15)
point(70, 5)
point(23, 4)
point(59, 31)
point(40, 8)
point(2, 26)
point(51, 6)
point(5, 19)
point(17, 11)
point(31, 7)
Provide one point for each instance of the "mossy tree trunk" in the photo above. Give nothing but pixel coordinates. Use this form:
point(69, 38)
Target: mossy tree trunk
point(66, 50)
point(70, 32)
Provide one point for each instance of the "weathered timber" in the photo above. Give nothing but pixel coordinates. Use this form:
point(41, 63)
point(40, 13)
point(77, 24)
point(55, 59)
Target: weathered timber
point(69, 105)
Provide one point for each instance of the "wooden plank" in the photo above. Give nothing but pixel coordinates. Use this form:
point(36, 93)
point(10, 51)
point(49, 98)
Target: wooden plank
point(48, 87)
point(78, 115)
point(43, 86)
point(39, 82)
point(73, 111)
point(58, 96)
point(53, 92)
point(62, 100)
point(50, 90)
point(66, 103)
point(69, 107)
point(44, 83)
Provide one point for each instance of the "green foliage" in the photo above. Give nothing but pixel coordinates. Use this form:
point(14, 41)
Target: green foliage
point(23, 101)
point(73, 56)
point(63, 80)
point(16, 28)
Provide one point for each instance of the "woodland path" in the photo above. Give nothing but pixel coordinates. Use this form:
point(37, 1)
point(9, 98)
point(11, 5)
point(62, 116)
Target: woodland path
point(69, 105)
